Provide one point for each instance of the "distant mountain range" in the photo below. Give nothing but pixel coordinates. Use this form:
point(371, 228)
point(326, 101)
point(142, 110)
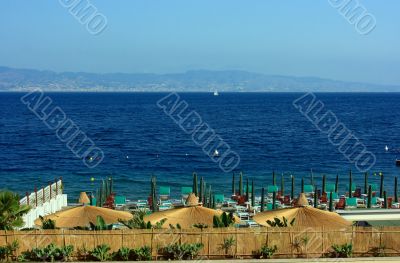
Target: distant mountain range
point(198, 80)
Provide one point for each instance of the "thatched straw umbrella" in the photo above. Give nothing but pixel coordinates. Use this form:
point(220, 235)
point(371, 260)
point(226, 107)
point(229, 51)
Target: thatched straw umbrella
point(83, 198)
point(305, 215)
point(82, 216)
point(186, 216)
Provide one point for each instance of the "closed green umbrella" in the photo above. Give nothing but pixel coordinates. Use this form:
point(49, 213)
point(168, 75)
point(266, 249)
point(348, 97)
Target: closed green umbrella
point(241, 184)
point(282, 185)
point(195, 184)
point(273, 178)
point(369, 196)
point(315, 198)
point(381, 186)
point(292, 191)
point(323, 184)
point(366, 183)
point(337, 184)
point(233, 184)
point(201, 193)
point(302, 184)
point(330, 202)
point(247, 189)
point(253, 196)
point(350, 184)
point(262, 199)
point(385, 204)
point(396, 198)
point(274, 200)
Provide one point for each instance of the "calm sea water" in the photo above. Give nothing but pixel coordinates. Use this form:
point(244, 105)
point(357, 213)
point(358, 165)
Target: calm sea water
point(138, 140)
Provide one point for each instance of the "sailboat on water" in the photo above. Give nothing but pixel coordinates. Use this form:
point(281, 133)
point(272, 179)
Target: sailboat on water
point(216, 93)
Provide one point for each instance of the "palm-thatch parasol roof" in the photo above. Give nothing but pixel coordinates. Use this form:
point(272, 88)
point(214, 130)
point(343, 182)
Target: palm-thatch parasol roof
point(84, 215)
point(186, 216)
point(83, 198)
point(305, 215)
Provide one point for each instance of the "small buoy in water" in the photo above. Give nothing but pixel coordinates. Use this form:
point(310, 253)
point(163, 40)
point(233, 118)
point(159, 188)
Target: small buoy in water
point(216, 153)
point(386, 148)
point(92, 179)
point(127, 157)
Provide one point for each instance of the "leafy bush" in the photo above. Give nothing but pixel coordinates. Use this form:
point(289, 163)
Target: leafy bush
point(228, 244)
point(141, 254)
point(135, 254)
point(50, 253)
point(224, 220)
point(101, 252)
point(342, 251)
point(47, 223)
point(137, 222)
point(8, 252)
point(182, 251)
point(266, 251)
point(122, 254)
point(281, 223)
point(200, 225)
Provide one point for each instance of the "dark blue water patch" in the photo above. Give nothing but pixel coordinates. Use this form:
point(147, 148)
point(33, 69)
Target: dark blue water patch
point(139, 140)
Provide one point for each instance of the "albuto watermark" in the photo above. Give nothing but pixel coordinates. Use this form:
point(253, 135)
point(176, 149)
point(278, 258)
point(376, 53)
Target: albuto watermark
point(65, 129)
point(86, 14)
point(202, 135)
point(338, 134)
point(356, 14)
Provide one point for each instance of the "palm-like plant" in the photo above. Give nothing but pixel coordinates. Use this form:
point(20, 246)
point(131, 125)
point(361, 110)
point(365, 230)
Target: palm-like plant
point(11, 211)
point(137, 222)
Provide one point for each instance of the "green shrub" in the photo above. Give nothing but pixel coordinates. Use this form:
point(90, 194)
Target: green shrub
point(50, 253)
point(8, 252)
point(182, 251)
point(342, 251)
point(224, 220)
point(122, 254)
point(228, 244)
point(281, 223)
point(47, 223)
point(101, 252)
point(141, 254)
point(265, 252)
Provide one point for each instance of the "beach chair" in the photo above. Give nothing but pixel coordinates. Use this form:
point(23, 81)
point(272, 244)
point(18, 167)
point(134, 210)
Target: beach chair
point(353, 188)
point(119, 201)
point(308, 190)
point(357, 192)
point(165, 192)
point(219, 198)
point(330, 188)
point(186, 191)
point(271, 189)
point(351, 202)
point(374, 202)
point(341, 204)
point(335, 196)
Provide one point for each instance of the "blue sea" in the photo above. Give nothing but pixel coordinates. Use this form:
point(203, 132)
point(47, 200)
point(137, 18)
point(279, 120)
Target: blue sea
point(139, 140)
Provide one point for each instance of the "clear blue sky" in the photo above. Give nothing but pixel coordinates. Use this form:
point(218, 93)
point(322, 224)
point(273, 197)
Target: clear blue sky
point(301, 38)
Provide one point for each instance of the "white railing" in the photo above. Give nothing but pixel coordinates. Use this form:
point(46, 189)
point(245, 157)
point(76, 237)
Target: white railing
point(43, 202)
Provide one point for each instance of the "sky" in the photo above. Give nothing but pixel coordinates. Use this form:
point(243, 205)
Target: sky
point(277, 37)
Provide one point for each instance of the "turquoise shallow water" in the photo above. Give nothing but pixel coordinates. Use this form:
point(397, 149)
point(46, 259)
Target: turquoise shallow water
point(138, 139)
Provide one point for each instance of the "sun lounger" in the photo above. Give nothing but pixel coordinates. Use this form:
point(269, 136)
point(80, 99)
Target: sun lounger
point(351, 202)
point(219, 198)
point(165, 192)
point(119, 201)
point(271, 189)
point(330, 188)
